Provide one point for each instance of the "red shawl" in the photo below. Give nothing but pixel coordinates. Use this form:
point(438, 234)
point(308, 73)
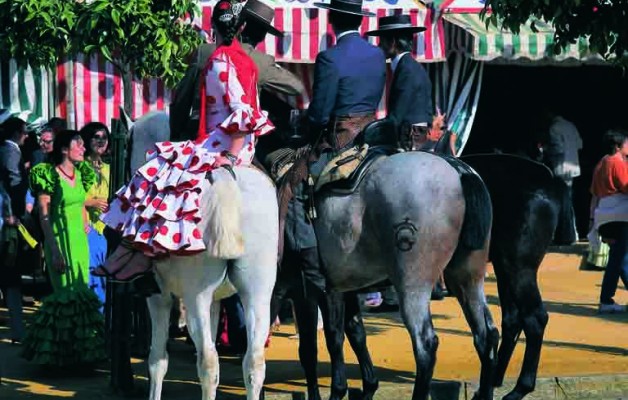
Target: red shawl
point(246, 71)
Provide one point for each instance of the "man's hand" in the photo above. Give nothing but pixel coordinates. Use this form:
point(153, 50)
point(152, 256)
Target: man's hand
point(12, 220)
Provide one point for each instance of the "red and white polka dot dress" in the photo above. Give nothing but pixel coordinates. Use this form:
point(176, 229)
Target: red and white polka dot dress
point(158, 211)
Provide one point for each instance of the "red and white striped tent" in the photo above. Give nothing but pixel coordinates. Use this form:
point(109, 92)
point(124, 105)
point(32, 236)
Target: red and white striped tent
point(88, 89)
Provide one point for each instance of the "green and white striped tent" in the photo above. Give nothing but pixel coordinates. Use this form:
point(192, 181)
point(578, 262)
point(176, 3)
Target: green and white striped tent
point(26, 92)
point(468, 34)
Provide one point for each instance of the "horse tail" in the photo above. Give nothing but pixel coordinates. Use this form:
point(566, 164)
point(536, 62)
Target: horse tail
point(478, 214)
point(224, 215)
point(564, 234)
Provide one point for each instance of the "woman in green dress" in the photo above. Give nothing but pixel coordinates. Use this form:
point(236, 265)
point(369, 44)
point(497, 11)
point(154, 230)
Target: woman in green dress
point(67, 330)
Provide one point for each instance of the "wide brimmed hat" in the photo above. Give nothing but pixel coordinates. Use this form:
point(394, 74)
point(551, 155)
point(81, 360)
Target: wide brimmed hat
point(263, 14)
point(346, 6)
point(395, 24)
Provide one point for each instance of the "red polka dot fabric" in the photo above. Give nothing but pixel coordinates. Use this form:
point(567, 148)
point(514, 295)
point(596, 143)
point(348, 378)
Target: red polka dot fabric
point(158, 211)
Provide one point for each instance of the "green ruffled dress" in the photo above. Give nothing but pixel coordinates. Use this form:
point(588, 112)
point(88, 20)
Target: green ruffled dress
point(68, 329)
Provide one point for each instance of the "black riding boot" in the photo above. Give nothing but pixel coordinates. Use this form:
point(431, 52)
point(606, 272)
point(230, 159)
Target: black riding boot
point(311, 269)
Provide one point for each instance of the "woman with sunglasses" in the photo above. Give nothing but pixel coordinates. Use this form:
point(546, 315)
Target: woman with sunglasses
point(96, 138)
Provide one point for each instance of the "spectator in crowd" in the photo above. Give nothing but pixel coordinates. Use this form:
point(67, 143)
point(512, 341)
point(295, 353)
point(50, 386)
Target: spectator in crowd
point(561, 149)
point(67, 329)
point(46, 138)
point(609, 215)
point(57, 125)
point(13, 181)
point(96, 138)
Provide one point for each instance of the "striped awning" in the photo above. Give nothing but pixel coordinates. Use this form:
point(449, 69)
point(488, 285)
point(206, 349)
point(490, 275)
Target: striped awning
point(24, 92)
point(469, 34)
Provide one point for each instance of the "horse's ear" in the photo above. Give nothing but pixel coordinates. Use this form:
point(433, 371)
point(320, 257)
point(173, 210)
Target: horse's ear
point(126, 120)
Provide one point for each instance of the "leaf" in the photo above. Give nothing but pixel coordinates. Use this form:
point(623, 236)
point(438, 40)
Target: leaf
point(105, 52)
point(115, 16)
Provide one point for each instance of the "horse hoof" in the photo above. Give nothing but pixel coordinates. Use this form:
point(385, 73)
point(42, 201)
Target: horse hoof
point(355, 394)
point(514, 395)
point(336, 396)
point(477, 396)
point(314, 396)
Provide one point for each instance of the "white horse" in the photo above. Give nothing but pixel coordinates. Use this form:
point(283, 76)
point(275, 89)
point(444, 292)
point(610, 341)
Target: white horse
point(202, 280)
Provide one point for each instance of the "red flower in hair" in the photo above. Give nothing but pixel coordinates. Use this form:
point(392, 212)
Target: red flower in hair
point(224, 5)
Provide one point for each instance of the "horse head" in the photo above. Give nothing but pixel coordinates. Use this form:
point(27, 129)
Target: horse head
point(142, 134)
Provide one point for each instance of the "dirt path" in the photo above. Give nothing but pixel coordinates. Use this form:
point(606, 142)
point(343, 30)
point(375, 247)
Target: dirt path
point(578, 342)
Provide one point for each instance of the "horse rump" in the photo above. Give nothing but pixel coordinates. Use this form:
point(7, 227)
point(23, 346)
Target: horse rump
point(223, 210)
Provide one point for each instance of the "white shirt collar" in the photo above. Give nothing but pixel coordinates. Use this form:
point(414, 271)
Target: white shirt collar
point(395, 60)
point(346, 33)
point(12, 143)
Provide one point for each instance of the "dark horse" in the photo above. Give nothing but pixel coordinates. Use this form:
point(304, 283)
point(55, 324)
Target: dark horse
point(531, 208)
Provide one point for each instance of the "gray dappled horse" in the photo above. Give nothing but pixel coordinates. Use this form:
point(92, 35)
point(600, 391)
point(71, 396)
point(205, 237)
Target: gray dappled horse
point(408, 226)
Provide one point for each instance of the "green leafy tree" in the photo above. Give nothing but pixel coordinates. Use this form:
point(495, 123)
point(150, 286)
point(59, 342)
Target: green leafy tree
point(36, 32)
point(141, 38)
point(603, 22)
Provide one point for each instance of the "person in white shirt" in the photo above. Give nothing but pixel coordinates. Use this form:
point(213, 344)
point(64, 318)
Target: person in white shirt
point(561, 152)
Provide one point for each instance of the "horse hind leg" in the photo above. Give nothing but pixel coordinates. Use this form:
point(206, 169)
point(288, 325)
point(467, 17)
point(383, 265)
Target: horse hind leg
point(534, 318)
point(511, 325)
point(464, 276)
point(202, 326)
point(415, 311)
point(354, 329)
point(254, 282)
point(159, 308)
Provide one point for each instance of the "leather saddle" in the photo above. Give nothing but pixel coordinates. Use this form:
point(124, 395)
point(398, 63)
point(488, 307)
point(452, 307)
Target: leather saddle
point(381, 137)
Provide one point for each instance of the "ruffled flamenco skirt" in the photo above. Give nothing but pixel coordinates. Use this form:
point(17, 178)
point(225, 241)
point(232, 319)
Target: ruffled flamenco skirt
point(158, 211)
point(67, 330)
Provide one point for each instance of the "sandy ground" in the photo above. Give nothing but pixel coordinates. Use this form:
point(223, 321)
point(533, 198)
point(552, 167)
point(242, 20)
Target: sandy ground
point(578, 342)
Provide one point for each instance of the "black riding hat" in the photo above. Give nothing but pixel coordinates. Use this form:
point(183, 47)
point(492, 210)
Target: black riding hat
point(395, 23)
point(263, 14)
point(346, 6)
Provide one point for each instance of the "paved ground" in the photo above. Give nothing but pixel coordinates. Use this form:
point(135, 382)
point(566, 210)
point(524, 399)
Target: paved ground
point(578, 343)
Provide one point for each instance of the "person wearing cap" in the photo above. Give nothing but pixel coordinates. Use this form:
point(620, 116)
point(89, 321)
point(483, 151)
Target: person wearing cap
point(349, 80)
point(410, 97)
point(184, 108)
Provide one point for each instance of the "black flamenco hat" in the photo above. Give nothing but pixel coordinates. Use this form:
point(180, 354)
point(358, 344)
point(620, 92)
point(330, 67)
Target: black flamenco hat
point(260, 12)
point(395, 24)
point(346, 6)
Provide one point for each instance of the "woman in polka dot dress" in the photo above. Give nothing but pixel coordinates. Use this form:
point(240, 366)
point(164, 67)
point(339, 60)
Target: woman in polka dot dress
point(158, 211)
